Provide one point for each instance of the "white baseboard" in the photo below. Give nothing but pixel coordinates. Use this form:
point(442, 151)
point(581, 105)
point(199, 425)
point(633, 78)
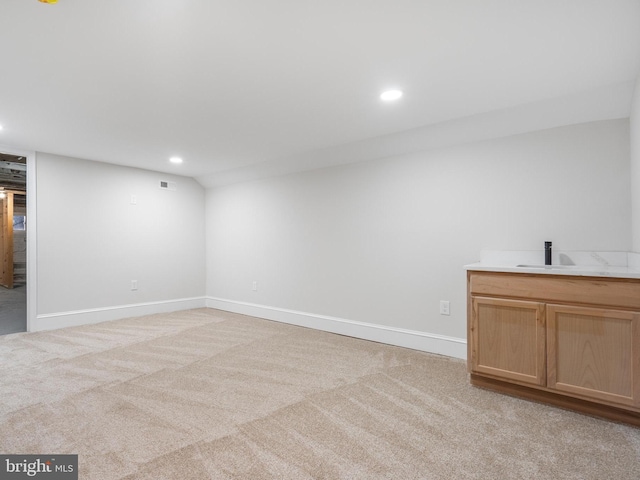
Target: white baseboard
point(426, 342)
point(51, 321)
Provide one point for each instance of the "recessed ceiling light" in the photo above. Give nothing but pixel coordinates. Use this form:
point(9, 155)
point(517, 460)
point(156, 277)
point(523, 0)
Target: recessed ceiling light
point(1, 127)
point(175, 160)
point(390, 95)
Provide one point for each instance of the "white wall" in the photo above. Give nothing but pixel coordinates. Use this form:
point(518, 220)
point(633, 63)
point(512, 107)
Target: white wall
point(384, 241)
point(635, 166)
point(92, 241)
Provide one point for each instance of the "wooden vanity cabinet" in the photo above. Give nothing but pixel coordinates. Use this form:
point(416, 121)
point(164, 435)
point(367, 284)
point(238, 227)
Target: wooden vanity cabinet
point(566, 340)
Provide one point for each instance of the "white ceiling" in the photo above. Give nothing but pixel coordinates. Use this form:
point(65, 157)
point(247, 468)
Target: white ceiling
point(247, 88)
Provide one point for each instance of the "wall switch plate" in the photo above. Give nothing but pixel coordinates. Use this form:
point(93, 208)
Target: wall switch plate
point(134, 284)
point(134, 199)
point(255, 286)
point(444, 307)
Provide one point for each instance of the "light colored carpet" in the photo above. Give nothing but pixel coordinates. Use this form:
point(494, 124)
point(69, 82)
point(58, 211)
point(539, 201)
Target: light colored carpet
point(205, 394)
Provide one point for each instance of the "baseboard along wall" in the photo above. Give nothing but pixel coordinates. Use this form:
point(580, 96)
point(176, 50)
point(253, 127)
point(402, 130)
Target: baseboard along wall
point(423, 341)
point(426, 342)
point(52, 321)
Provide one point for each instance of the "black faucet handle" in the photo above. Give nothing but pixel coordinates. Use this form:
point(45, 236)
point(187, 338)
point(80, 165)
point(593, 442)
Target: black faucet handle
point(547, 253)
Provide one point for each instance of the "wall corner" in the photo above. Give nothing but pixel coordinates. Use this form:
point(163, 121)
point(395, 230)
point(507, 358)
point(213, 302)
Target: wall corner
point(634, 126)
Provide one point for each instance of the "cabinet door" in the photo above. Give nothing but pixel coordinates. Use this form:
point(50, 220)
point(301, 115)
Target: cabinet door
point(594, 353)
point(508, 339)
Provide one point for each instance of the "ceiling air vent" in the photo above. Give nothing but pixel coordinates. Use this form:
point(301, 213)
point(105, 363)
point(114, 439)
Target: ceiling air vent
point(164, 185)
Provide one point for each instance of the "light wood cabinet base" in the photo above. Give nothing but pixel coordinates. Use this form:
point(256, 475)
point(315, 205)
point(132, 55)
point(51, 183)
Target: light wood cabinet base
point(562, 401)
point(570, 341)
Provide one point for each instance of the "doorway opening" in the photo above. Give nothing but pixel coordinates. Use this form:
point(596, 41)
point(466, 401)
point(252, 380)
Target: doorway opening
point(13, 243)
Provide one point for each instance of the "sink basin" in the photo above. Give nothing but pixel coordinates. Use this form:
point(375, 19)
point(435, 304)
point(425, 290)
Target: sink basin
point(551, 267)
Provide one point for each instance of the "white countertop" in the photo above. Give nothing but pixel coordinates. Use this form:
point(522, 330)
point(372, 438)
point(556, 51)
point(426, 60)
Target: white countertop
point(590, 264)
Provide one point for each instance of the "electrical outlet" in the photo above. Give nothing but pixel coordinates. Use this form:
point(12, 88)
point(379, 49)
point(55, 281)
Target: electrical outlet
point(134, 284)
point(255, 286)
point(444, 307)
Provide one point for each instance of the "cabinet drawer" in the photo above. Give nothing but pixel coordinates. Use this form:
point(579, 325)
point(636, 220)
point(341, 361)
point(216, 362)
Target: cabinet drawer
point(617, 293)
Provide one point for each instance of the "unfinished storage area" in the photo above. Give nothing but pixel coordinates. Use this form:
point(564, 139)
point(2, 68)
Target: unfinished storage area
point(13, 220)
